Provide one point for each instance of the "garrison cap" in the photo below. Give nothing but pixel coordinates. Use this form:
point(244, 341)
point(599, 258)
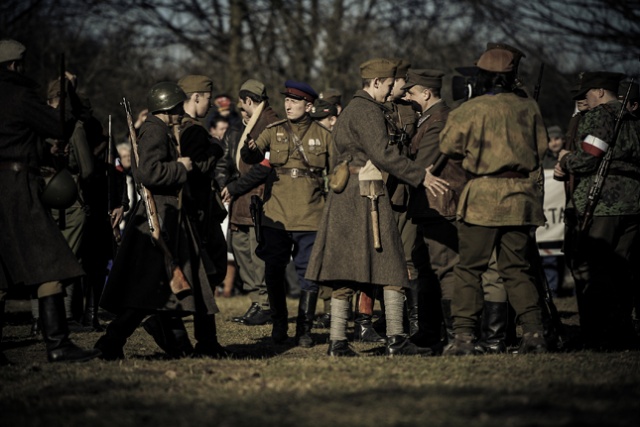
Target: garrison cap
point(634, 93)
point(254, 86)
point(555, 132)
point(11, 50)
point(598, 79)
point(322, 108)
point(195, 83)
point(402, 69)
point(378, 68)
point(517, 53)
point(333, 96)
point(299, 90)
point(424, 77)
point(496, 60)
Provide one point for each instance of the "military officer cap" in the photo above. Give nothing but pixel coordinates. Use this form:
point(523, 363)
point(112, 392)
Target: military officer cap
point(299, 90)
point(423, 77)
point(598, 80)
point(333, 96)
point(634, 93)
point(322, 108)
point(378, 68)
point(402, 69)
point(11, 50)
point(496, 60)
point(517, 53)
point(254, 86)
point(195, 83)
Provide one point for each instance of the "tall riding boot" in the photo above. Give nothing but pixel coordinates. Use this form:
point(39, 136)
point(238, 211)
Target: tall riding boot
point(170, 334)
point(56, 332)
point(363, 325)
point(111, 344)
point(206, 335)
point(412, 305)
point(493, 332)
point(398, 343)
point(3, 359)
point(304, 322)
point(92, 293)
point(447, 319)
point(274, 279)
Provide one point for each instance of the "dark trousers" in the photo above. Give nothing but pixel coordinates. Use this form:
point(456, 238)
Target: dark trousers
point(476, 245)
point(605, 276)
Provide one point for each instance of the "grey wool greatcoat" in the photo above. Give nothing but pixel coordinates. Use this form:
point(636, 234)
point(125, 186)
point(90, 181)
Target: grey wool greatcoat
point(32, 249)
point(139, 278)
point(344, 248)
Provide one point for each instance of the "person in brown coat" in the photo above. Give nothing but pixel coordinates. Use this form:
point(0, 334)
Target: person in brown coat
point(34, 253)
point(345, 255)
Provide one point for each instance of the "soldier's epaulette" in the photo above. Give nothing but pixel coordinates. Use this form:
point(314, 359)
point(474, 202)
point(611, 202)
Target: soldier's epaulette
point(279, 122)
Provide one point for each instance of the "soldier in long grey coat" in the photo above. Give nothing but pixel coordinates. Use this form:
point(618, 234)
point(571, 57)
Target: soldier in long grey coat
point(344, 255)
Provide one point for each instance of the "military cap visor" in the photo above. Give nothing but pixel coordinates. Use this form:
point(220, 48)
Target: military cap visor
point(300, 91)
point(598, 80)
point(11, 50)
point(322, 109)
point(424, 77)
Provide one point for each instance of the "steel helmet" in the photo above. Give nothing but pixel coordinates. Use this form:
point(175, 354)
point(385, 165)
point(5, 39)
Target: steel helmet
point(164, 96)
point(61, 191)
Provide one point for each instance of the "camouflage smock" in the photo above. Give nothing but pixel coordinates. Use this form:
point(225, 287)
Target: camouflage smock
point(497, 134)
point(621, 191)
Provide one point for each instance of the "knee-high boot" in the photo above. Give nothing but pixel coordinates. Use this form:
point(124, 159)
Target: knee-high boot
point(363, 325)
point(306, 314)
point(398, 344)
point(92, 292)
point(170, 334)
point(493, 332)
point(111, 344)
point(206, 335)
point(55, 332)
point(274, 280)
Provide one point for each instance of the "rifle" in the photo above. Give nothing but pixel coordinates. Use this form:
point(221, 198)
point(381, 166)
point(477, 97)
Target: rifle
point(536, 90)
point(603, 169)
point(110, 160)
point(177, 281)
point(256, 215)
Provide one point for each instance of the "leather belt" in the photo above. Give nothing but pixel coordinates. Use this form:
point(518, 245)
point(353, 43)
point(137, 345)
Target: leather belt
point(507, 174)
point(298, 172)
point(18, 167)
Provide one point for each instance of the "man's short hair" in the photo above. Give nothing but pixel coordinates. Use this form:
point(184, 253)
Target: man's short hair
point(252, 96)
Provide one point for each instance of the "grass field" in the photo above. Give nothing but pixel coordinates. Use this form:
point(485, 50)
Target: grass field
point(288, 386)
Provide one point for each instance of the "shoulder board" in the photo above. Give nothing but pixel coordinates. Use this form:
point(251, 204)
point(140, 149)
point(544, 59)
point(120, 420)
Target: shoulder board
point(279, 122)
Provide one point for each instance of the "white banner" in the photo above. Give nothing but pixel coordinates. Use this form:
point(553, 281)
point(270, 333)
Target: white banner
point(554, 203)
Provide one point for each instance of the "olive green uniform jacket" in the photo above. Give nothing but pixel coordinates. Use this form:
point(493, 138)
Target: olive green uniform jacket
point(344, 248)
point(293, 200)
point(510, 140)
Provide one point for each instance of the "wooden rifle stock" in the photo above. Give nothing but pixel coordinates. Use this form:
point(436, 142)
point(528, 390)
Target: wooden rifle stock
point(177, 280)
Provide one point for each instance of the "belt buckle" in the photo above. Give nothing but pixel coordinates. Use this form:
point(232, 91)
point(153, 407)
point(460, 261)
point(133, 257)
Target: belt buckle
point(295, 172)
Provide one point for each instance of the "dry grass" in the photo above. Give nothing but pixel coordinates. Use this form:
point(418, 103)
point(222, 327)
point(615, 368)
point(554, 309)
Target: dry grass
point(289, 386)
